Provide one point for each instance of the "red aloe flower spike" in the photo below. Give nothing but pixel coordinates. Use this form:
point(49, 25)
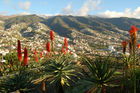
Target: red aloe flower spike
point(19, 51)
point(11, 62)
point(133, 35)
point(138, 45)
point(65, 52)
point(25, 57)
point(41, 54)
point(51, 38)
point(67, 49)
point(70, 52)
point(124, 44)
point(62, 49)
point(51, 35)
point(36, 56)
point(133, 30)
point(65, 42)
point(48, 48)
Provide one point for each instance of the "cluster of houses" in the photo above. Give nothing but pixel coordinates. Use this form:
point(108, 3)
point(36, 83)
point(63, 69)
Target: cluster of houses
point(76, 46)
point(79, 45)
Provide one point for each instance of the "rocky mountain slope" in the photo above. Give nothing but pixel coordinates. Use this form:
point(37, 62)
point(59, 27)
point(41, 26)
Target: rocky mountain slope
point(97, 32)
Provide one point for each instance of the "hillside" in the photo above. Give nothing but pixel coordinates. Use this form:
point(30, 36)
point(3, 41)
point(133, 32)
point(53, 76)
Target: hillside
point(97, 32)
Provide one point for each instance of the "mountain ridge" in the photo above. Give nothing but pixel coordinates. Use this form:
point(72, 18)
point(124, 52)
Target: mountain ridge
point(96, 30)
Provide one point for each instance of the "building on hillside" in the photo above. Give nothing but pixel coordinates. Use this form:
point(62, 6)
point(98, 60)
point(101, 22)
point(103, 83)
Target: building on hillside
point(111, 48)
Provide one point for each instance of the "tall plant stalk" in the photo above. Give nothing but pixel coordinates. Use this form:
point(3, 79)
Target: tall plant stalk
point(133, 35)
point(134, 72)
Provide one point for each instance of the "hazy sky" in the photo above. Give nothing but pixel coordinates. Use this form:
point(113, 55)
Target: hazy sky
point(105, 8)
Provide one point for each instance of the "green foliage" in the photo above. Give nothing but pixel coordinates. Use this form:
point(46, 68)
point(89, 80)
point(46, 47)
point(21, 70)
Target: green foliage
point(59, 26)
point(98, 73)
point(123, 23)
point(10, 66)
point(21, 81)
point(60, 71)
point(12, 56)
point(19, 19)
point(130, 82)
point(130, 73)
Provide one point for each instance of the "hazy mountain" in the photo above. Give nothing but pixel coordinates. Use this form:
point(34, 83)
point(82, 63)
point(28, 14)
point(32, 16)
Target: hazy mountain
point(94, 29)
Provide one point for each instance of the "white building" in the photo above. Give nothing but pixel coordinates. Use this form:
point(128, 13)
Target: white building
point(111, 48)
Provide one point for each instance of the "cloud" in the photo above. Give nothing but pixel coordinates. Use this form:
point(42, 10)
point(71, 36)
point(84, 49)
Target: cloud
point(47, 15)
point(24, 13)
point(67, 10)
point(87, 7)
point(25, 5)
point(126, 13)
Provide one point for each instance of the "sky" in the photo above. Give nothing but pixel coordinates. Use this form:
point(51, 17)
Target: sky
point(103, 8)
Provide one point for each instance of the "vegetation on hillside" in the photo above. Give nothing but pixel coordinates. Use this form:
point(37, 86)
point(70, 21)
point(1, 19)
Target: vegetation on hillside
point(52, 71)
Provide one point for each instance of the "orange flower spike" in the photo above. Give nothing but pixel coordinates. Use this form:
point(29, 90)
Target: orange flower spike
point(48, 48)
point(36, 56)
point(124, 43)
point(51, 38)
point(51, 35)
point(70, 52)
point(67, 49)
point(19, 51)
point(41, 54)
point(25, 57)
point(65, 52)
point(138, 45)
point(62, 49)
point(65, 42)
point(133, 30)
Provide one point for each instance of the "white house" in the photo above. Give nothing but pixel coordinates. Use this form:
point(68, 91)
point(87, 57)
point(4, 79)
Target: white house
point(111, 48)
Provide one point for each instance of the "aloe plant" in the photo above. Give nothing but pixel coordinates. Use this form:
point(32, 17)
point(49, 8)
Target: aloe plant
point(20, 81)
point(96, 76)
point(12, 64)
point(60, 71)
point(130, 73)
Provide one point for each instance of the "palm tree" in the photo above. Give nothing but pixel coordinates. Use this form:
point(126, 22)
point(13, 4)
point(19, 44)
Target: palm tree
point(97, 75)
